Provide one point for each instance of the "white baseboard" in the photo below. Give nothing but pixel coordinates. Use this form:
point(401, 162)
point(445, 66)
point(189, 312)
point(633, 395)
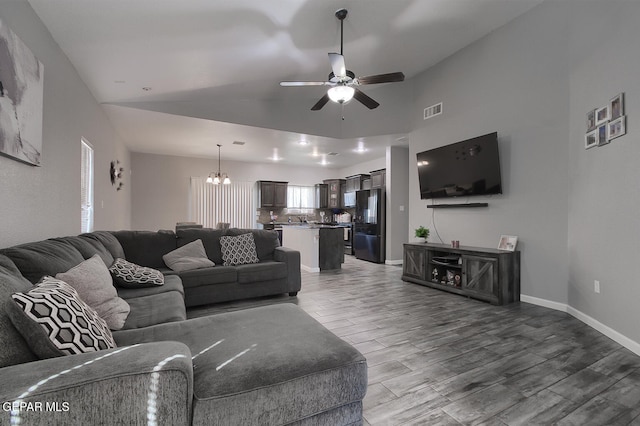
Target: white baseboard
point(309, 269)
point(393, 262)
point(614, 335)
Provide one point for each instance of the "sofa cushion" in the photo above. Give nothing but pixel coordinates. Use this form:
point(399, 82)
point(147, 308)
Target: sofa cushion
point(263, 271)
point(266, 241)
point(129, 275)
point(48, 257)
point(268, 365)
point(55, 321)
point(171, 283)
point(14, 349)
point(146, 248)
point(188, 257)
point(238, 250)
point(108, 241)
point(93, 282)
point(209, 276)
point(155, 309)
point(210, 239)
point(88, 247)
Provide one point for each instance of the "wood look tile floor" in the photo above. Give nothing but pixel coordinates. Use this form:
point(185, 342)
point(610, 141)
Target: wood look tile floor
point(440, 359)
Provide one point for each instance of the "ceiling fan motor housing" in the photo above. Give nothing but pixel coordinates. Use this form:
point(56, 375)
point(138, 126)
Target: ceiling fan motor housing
point(348, 79)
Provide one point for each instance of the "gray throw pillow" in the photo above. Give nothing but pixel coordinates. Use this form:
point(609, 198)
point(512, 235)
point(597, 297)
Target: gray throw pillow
point(239, 250)
point(55, 321)
point(189, 256)
point(93, 282)
point(129, 275)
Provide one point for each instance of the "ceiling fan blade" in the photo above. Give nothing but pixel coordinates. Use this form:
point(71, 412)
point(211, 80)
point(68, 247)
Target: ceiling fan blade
point(322, 102)
point(364, 99)
point(381, 78)
point(337, 65)
point(302, 83)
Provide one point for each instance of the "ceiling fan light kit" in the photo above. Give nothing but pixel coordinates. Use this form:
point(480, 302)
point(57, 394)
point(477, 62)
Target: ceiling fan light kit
point(342, 80)
point(341, 94)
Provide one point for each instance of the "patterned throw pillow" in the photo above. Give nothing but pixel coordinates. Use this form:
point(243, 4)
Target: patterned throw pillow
point(130, 275)
point(239, 250)
point(55, 321)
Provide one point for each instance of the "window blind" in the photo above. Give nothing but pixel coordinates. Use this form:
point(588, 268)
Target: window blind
point(233, 203)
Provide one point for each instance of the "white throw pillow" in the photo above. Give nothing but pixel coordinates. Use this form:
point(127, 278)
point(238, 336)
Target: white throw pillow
point(93, 282)
point(189, 256)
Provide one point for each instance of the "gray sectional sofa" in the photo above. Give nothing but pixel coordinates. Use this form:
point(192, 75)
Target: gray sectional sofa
point(277, 272)
point(272, 365)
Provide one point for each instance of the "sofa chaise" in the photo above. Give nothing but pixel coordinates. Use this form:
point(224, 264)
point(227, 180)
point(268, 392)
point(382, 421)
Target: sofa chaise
point(272, 365)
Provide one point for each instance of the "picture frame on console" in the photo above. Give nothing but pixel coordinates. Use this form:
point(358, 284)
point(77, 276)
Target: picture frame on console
point(508, 242)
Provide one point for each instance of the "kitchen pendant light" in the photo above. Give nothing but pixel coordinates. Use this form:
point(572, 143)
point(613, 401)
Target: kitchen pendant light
point(218, 176)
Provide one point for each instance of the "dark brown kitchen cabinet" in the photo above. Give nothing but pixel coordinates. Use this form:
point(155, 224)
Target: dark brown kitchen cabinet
point(322, 196)
point(354, 183)
point(378, 178)
point(336, 192)
point(273, 194)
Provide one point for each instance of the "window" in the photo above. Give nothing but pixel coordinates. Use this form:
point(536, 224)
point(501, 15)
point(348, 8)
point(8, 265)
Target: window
point(300, 199)
point(86, 186)
point(212, 204)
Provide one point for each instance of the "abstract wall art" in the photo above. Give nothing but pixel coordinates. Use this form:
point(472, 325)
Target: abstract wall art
point(21, 99)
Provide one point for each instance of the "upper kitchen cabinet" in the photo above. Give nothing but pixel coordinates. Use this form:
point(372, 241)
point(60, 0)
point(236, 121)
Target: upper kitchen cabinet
point(273, 194)
point(322, 196)
point(378, 178)
point(336, 191)
point(355, 183)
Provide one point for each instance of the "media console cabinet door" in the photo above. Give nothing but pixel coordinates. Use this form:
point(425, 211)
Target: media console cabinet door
point(415, 262)
point(480, 276)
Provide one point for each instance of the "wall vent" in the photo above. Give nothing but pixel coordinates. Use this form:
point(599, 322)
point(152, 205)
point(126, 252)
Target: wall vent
point(433, 110)
point(332, 153)
point(238, 143)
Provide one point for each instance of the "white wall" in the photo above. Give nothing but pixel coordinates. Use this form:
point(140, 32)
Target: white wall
point(42, 202)
point(514, 81)
point(604, 189)
point(161, 184)
point(362, 168)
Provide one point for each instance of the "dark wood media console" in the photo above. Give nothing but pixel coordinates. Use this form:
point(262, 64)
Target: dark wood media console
point(486, 274)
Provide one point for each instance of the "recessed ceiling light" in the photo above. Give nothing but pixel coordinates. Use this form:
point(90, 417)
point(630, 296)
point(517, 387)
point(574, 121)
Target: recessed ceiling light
point(332, 153)
point(360, 149)
point(303, 142)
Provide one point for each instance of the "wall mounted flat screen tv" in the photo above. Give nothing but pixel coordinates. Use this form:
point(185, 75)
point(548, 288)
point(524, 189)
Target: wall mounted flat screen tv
point(462, 169)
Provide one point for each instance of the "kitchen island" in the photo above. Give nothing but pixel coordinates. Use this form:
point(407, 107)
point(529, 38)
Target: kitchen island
point(321, 247)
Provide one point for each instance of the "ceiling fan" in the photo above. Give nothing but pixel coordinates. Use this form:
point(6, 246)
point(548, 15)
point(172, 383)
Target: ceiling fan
point(344, 82)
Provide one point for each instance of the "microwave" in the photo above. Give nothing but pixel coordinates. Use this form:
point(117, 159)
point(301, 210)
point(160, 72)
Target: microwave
point(349, 199)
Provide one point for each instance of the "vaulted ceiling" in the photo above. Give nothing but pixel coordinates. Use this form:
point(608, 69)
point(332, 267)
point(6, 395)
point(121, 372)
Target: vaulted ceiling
point(178, 77)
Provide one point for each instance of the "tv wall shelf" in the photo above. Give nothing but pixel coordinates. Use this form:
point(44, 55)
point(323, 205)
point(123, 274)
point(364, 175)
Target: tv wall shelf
point(481, 273)
point(452, 206)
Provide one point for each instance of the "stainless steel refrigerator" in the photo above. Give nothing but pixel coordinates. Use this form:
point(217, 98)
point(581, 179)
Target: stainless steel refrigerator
point(369, 225)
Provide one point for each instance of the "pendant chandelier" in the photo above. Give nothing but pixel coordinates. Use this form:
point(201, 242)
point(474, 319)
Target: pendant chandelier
point(218, 177)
